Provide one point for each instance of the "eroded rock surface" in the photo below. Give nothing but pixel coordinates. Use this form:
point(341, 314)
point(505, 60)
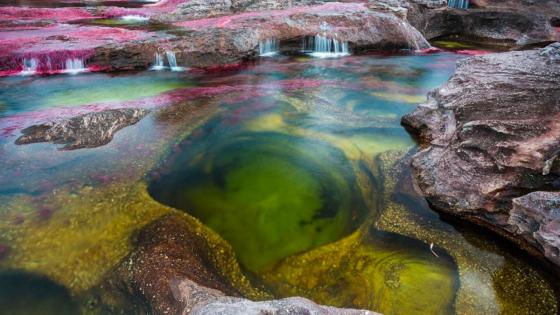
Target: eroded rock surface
point(84, 131)
point(536, 216)
point(492, 134)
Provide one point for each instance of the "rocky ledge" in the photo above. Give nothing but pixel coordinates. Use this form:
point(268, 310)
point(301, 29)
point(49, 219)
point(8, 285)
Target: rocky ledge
point(84, 131)
point(510, 23)
point(491, 142)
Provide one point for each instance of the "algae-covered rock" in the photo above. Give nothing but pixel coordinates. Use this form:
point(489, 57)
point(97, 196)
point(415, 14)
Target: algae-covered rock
point(168, 251)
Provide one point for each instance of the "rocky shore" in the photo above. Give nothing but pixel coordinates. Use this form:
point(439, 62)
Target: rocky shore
point(490, 146)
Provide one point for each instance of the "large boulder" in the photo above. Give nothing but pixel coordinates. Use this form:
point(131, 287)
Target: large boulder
point(492, 134)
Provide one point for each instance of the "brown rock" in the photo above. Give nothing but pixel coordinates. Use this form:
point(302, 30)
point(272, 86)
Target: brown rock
point(166, 252)
point(536, 217)
point(491, 134)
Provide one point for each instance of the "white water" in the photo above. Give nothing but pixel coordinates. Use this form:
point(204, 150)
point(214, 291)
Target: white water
point(74, 66)
point(134, 18)
point(173, 61)
point(327, 47)
point(459, 4)
point(158, 64)
point(415, 40)
point(29, 66)
point(268, 47)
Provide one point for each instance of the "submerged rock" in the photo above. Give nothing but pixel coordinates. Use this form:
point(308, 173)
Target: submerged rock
point(167, 251)
point(491, 135)
point(84, 131)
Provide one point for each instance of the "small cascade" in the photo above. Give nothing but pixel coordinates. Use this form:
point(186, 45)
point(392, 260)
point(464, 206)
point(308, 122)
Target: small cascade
point(158, 64)
point(415, 40)
point(74, 66)
point(173, 61)
point(459, 4)
point(268, 47)
point(29, 66)
point(322, 46)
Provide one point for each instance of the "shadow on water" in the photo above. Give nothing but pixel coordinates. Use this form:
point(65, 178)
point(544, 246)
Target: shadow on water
point(29, 294)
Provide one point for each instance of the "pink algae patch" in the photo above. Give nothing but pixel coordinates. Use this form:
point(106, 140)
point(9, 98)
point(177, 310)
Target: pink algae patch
point(473, 52)
point(37, 14)
point(52, 46)
point(427, 51)
point(233, 20)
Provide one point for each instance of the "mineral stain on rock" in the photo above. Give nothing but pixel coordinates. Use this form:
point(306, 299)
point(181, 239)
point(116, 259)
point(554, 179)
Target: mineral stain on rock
point(84, 131)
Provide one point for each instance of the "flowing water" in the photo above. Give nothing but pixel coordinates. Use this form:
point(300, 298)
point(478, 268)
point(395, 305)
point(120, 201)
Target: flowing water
point(293, 161)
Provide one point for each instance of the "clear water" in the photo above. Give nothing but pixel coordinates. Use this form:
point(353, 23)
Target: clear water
point(287, 159)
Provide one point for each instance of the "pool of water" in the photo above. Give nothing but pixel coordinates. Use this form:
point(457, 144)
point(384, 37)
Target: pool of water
point(293, 161)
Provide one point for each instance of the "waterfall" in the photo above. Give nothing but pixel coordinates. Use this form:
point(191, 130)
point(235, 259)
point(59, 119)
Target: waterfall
point(415, 40)
point(74, 66)
point(173, 61)
point(29, 66)
point(326, 47)
point(459, 4)
point(158, 64)
point(268, 47)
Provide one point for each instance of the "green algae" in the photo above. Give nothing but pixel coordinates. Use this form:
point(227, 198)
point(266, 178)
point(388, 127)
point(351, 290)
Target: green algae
point(270, 195)
point(372, 270)
point(110, 93)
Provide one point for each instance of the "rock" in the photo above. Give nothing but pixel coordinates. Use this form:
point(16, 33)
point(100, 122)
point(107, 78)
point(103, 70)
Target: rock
point(232, 39)
point(489, 135)
point(173, 270)
point(205, 301)
point(200, 33)
point(84, 131)
point(167, 251)
point(536, 216)
point(515, 24)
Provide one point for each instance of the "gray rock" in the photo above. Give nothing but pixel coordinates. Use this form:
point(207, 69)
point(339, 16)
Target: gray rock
point(84, 131)
point(204, 301)
point(489, 135)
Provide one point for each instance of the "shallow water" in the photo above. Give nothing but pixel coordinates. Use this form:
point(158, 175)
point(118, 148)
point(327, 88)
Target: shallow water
point(290, 160)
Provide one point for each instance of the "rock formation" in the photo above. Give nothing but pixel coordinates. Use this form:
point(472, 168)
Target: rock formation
point(490, 137)
point(171, 271)
point(492, 22)
point(84, 131)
